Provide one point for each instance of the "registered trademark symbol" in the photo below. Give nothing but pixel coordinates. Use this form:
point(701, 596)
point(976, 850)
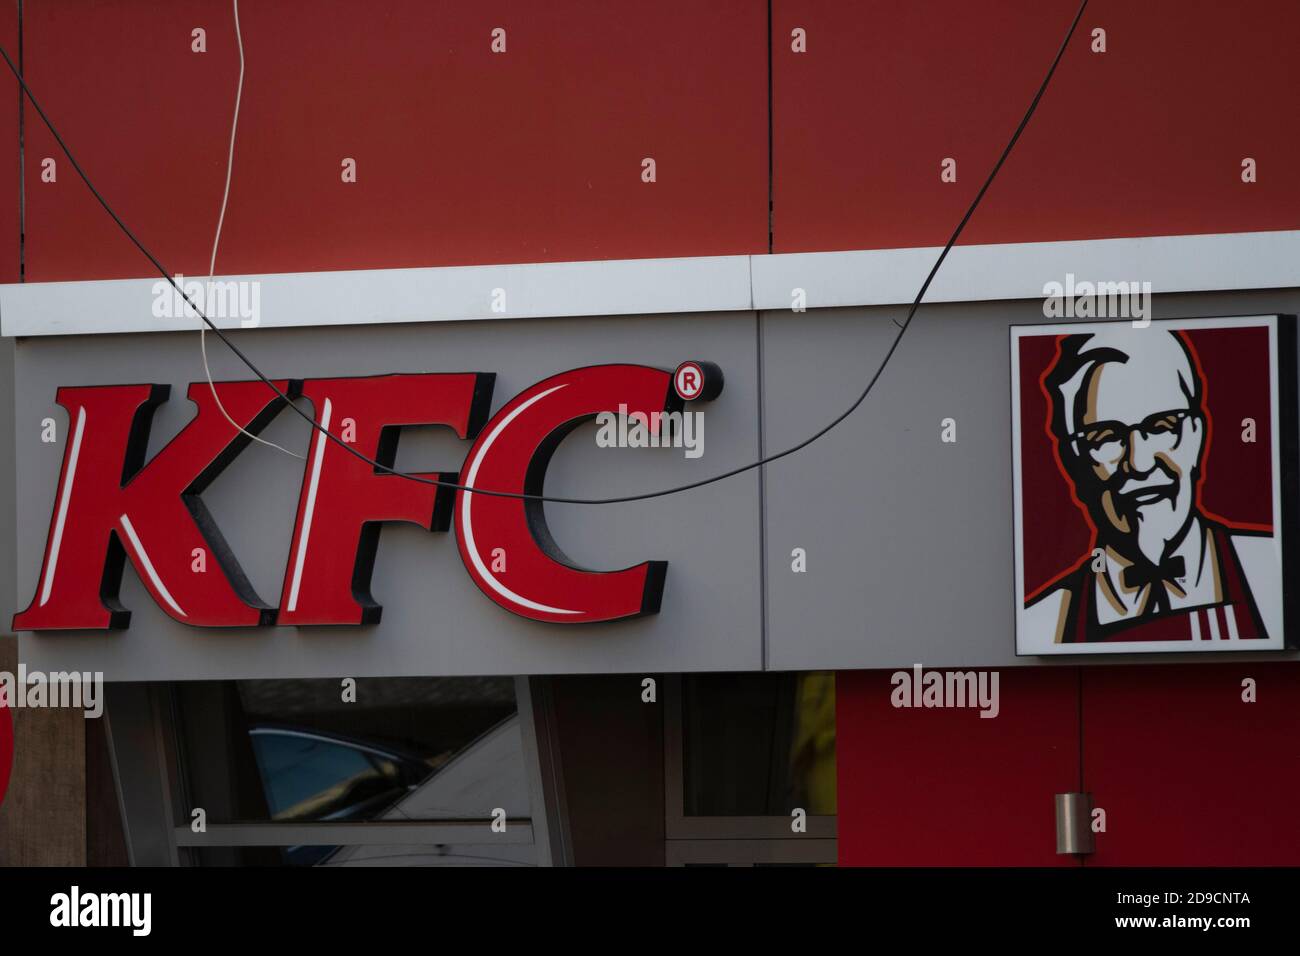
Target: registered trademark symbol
point(697, 380)
point(689, 381)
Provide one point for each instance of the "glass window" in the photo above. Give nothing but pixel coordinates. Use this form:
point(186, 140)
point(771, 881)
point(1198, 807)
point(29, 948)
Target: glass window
point(758, 744)
point(301, 750)
point(307, 776)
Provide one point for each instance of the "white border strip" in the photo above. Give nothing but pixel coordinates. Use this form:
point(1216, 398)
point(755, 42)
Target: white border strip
point(1247, 260)
point(1244, 260)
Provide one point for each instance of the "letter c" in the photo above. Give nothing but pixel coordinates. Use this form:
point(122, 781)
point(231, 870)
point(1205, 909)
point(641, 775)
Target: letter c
point(512, 454)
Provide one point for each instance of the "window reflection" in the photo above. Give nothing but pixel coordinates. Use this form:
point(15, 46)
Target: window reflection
point(309, 776)
point(295, 751)
point(398, 749)
point(758, 744)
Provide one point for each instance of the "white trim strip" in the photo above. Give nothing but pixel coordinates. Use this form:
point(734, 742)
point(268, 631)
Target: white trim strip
point(148, 566)
point(309, 508)
point(377, 296)
point(1247, 260)
point(1223, 261)
point(65, 496)
point(1195, 618)
point(1214, 623)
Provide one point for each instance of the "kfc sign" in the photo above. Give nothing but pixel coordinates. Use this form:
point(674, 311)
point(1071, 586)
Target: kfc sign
point(1150, 464)
point(111, 506)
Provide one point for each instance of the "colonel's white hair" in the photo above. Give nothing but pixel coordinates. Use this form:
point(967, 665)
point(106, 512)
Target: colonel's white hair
point(1161, 352)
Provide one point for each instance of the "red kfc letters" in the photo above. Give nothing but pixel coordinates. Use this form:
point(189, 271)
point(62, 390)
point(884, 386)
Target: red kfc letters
point(344, 499)
point(110, 506)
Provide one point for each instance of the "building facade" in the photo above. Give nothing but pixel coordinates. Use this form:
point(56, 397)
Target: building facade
point(1036, 586)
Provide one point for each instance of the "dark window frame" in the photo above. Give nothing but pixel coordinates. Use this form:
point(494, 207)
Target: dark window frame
point(738, 840)
point(165, 814)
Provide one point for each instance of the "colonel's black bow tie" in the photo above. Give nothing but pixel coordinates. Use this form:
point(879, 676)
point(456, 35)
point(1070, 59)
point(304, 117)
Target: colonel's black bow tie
point(1140, 575)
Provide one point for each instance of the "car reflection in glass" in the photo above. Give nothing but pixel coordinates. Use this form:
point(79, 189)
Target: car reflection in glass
point(311, 776)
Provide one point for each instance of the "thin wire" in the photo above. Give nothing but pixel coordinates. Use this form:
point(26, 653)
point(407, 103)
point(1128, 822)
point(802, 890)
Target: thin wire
point(385, 469)
point(216, 242)
point(230, 156)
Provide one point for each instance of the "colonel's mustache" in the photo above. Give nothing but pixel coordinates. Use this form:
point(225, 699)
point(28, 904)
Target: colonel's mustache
point(1129, 494)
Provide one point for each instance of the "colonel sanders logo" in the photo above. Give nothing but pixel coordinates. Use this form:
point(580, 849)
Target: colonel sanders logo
point(1125, 415)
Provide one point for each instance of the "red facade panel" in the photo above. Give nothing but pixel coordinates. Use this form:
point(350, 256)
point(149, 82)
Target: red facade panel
point(463, 155)
point(1147, 138)
point(946, 787)
point(1189, 773)
point(10, 183)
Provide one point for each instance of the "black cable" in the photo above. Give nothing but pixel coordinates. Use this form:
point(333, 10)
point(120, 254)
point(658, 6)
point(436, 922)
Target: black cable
point(1015, 137)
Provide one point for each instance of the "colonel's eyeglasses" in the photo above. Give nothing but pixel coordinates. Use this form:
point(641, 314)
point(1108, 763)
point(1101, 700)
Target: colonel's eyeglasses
point(1109, 441)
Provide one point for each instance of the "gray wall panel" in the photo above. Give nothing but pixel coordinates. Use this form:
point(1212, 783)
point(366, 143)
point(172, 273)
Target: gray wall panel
point(908, 538)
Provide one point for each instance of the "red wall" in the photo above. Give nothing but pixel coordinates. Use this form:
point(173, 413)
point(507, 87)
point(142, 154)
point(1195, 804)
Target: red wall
point(1187, 772)
point(946, 787)
point(465, 156)
point(1144, 139)
point(10, 182)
